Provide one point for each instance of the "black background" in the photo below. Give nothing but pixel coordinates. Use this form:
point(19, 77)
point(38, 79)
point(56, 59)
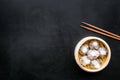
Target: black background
point(37, 38)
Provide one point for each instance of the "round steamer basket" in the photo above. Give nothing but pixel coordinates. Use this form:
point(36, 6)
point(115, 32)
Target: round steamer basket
point(77, 53)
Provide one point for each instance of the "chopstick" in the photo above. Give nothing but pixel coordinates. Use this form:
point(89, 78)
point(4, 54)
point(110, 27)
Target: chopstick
point(100, 31)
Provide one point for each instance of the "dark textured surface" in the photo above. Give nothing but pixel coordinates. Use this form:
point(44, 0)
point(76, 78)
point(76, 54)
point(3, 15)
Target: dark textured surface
point(38, 38)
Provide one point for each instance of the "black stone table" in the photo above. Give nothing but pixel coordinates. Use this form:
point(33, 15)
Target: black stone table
point(37, 38)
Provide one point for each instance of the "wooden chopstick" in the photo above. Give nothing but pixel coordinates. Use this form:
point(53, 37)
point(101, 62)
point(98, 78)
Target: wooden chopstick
point(97, 28)
point(105, 34)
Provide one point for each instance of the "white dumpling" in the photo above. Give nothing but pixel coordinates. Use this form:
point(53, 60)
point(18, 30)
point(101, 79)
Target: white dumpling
point(84, 49)
point(93, 54)
point(102, 51)
point(94, 45)
point(84, 61)
point(95, 64)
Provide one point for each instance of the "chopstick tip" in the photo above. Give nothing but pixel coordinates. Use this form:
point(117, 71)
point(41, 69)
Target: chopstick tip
point(82, 22)
point(81, 26)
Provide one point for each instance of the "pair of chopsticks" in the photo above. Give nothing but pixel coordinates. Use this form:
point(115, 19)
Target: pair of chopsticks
point(99, 30)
